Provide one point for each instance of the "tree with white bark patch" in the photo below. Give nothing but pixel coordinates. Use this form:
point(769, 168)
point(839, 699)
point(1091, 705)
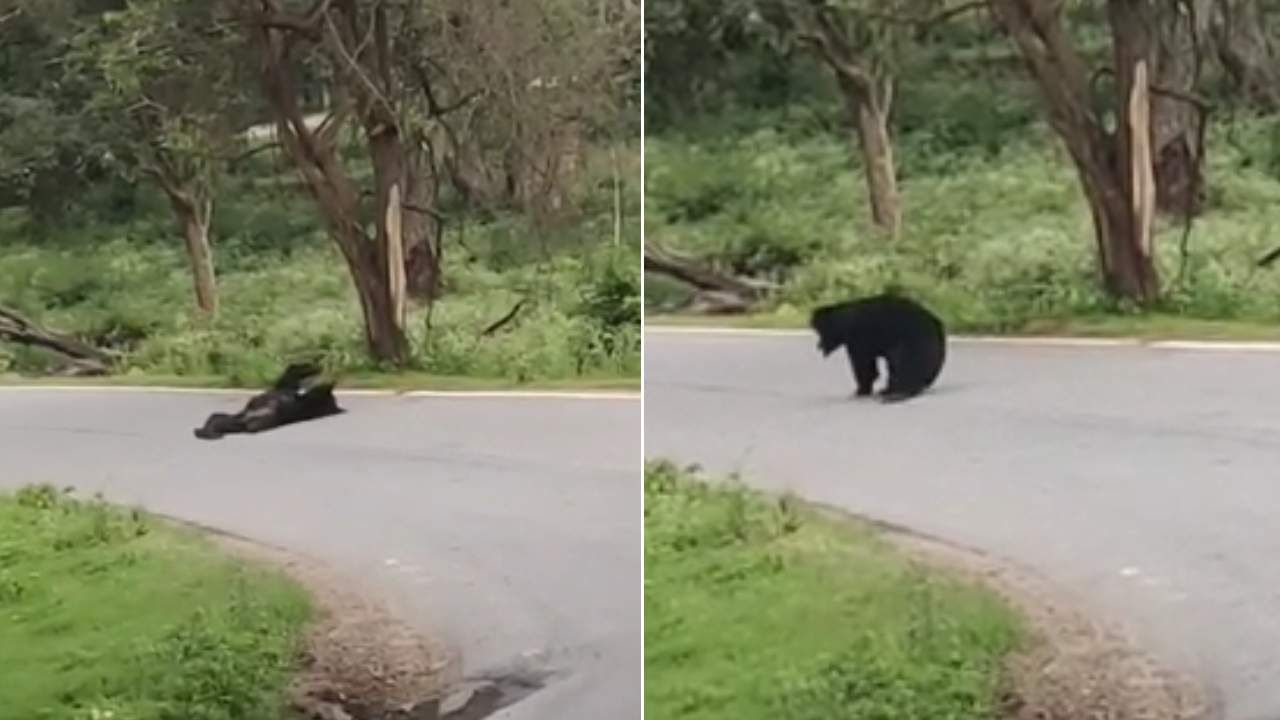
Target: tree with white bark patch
point(436, 90)
point(1111, 146)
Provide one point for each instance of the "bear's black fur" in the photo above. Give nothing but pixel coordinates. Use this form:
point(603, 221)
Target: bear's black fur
point(911, 340)
point(290, 400)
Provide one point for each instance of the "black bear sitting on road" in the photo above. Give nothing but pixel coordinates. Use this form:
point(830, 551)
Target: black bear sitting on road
point(911, 340)
point(290, 400)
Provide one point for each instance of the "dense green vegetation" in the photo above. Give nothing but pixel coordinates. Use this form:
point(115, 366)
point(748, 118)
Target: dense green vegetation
point(111, 614)
point(122, 283)
point(470, 209)
point(994, 242)
point(756, 608)
point(752, 170)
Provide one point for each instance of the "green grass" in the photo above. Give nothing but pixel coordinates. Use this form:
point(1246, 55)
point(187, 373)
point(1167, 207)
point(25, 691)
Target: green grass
point(107, 613)
point(756, 608)
point(1153, 326)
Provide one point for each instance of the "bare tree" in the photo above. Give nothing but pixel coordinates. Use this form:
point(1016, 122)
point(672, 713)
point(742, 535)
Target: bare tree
point(543, 77)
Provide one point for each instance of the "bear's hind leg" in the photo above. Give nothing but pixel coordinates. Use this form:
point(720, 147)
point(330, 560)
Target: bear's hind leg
point(216, 426)
point(904, 381)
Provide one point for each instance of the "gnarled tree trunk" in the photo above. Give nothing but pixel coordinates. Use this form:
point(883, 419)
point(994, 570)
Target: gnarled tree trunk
point(384, 333)
point(194, 219)
point(1249, 56)
point(423, 228)
point(867, 89)
point(315, 154)
point(1177, 119)
point(871, 112)
point(193, 209)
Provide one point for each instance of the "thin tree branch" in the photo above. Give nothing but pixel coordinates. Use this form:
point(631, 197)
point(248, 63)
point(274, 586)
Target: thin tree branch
point(511, 314)
point(375, 94)
point(923, 21)
point(1198, 103)
point(1269, 258)
point(10, 15)
point(281, 21)
point(235, 160)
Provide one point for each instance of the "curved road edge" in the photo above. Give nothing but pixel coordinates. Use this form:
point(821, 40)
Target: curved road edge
point(508, 520)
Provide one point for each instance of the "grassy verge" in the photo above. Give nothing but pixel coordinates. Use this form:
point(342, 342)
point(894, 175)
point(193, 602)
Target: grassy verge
point(366, 381)
point(1143, 327)
point(110, 614)
point(756, 609)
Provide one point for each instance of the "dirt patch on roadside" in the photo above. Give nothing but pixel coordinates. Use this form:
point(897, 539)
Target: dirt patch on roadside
point(1074, 667)
point(360, 662)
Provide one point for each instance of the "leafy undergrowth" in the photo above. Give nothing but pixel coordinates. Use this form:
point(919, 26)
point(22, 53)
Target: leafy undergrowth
point(123, 284)
point(755, 608)
point(994, 241)
point(107, 613)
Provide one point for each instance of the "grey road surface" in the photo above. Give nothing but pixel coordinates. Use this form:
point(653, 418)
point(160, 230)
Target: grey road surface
point(1146, 482)
point(508, 526)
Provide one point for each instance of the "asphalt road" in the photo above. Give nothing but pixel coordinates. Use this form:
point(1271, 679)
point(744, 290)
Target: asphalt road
point(508, 526)
point(1144, 481)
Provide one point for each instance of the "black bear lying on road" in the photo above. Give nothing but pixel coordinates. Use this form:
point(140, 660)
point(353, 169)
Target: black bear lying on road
point(290, 400)
point(911, 340)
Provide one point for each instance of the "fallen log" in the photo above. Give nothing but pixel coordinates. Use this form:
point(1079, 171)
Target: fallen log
point(85, 359)
point(730, 294)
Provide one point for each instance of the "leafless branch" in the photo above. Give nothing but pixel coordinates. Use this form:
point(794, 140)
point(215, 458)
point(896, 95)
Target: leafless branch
point(353, 66)
point(502, 321)
point(923, 21)
point(280, 21)
point(235, 160)
point(10, 15)
point(1199, 103)
point(1269, 258)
